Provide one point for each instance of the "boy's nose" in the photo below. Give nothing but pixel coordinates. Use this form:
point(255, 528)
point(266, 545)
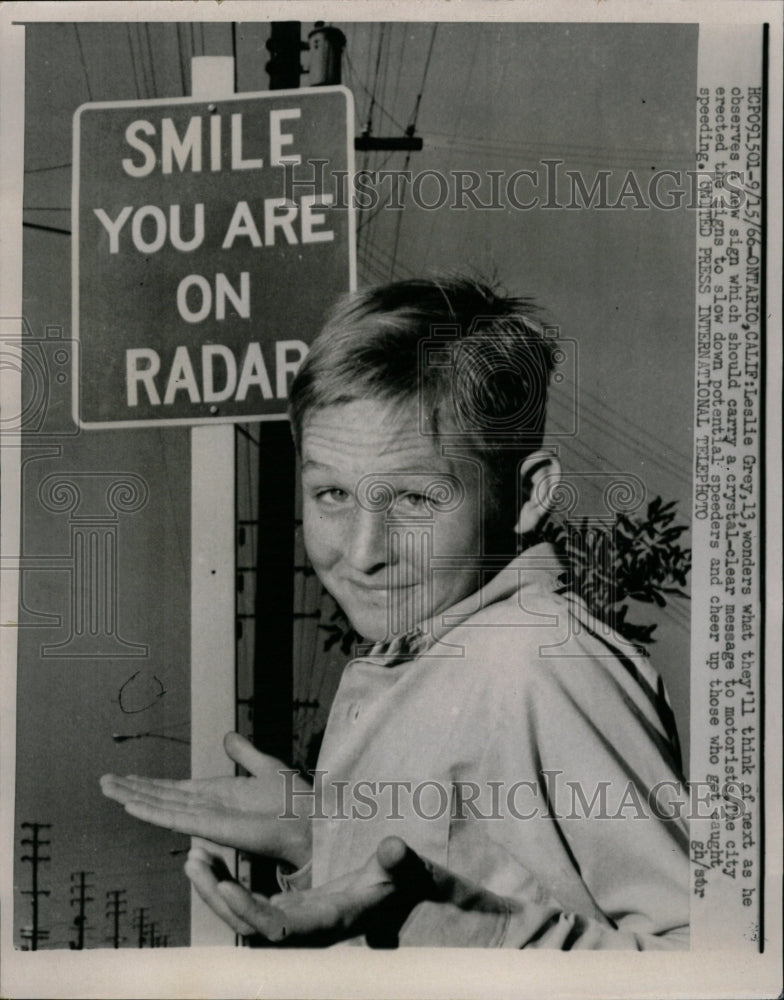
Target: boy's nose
point(368, 547)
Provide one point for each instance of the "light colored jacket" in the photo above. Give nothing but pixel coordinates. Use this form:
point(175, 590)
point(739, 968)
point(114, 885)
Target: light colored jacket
point(533, 758)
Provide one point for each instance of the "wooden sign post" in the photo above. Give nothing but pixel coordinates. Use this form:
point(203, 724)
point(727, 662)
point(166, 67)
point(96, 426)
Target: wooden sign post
point(213, 644)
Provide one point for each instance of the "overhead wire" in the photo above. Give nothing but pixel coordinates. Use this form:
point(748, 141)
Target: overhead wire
point(181, 55)
point(152, 61)
point(627, 441)
point(138, 67)
point(624, 421)
point(426, 69)
point(47, 229)
point(565, 159)
point(461, 105)
point(143, 71)
point(383, 259)
point(379, 52)
point(603, 412)
point(368, 126)
point(381, 99)
point(399, 62)
point(41, 170)
point(590, 149)
point(410, 130)
point(81, 59)
point(134, 67)
point(374, 29)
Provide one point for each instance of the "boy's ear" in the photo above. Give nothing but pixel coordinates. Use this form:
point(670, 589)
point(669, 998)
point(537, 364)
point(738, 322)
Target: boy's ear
point(540, 474)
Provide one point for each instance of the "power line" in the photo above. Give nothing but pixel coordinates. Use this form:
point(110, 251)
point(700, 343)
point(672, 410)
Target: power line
point(134, 67)
point(369, 124)
point(628, 441)
point(624, 420)
point(410, 130)
point(152, 61)
point(46, 229)
point(415, 113)
point(483, 143)
point(41, 170)
point(356, 79)
point(143, 61)
point(399, 62)
point(81, 59)
point(180, 53)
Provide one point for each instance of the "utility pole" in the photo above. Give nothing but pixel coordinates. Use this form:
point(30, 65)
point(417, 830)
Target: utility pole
point(151, 928)
point(35, 858)
point(139, 922)
point(81, 901)
point(113, 904)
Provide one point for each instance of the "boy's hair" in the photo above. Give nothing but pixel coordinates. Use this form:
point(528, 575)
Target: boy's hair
point(472, 360)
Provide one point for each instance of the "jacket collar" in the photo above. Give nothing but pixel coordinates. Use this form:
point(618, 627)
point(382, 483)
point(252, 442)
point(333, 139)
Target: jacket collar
point(538, 568)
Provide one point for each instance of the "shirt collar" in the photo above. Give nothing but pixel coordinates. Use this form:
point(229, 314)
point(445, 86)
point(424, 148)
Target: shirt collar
point(537, 568)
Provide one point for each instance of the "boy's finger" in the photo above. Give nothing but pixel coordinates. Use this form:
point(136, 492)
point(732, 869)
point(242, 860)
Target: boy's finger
point(254, 911)
point(206, 884)
point(405, 868)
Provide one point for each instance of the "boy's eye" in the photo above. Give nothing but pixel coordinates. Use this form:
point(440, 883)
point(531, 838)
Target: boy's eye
point(412, 501)
point(331, 496)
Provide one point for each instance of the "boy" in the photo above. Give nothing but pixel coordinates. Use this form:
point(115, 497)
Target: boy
point(494, 761)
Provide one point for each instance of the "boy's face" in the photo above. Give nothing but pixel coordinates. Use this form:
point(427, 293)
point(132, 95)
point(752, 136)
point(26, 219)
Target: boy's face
point(372, 524)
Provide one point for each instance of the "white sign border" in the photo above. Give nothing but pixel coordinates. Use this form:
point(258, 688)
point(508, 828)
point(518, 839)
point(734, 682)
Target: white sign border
point(75, 245)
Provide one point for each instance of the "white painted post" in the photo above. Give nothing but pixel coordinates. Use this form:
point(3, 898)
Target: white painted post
point(213, 652)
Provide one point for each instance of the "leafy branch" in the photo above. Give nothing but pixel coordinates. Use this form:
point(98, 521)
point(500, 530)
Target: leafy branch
point(634, 558)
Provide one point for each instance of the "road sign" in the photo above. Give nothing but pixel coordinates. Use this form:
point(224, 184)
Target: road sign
point(200, 271)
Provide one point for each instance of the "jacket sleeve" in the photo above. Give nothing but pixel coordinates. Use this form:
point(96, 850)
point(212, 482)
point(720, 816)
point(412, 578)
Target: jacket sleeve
point(466, 916)
point(589, 730)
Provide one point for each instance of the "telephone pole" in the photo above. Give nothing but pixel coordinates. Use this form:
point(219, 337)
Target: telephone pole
point(114, 901)
point(81, 900)
point(35, 858)
point(151, 928)
point(140, 923)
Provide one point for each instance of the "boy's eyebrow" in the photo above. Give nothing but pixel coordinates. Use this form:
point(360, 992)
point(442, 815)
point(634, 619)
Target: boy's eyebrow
point(411, 470)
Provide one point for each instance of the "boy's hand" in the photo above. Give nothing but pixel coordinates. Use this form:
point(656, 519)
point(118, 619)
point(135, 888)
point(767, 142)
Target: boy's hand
point(374, 900)
point(235, 811)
